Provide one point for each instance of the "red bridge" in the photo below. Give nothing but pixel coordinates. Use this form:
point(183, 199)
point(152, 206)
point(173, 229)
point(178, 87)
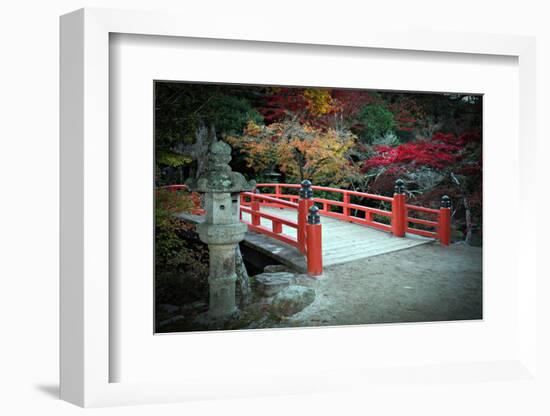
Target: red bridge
point(352, 229)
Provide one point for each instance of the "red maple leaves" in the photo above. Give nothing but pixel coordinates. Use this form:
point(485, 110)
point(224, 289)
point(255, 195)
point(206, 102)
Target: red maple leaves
point(439, 152)
point(285, 102)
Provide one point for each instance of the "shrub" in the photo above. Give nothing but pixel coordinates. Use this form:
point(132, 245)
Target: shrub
point(377, 121)
point(181, 260)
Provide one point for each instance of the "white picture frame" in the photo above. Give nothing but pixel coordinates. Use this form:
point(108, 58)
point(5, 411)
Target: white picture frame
point(84, 343)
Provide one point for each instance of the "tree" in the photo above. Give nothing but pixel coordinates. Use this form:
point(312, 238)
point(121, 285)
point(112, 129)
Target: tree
point(350, 138)
point(300, 151)
point(444, 164)
point(186, 117)
point(305, 105)
point(376, 121)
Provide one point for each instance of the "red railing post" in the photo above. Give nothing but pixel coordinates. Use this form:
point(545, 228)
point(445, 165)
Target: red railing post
point(241, 204)
point(314, 243)
point(368, 216)
point(399, 211)
point(445, 221)
point(255, 206)
point(304, 203)
point(345, 200)
point(277, 227)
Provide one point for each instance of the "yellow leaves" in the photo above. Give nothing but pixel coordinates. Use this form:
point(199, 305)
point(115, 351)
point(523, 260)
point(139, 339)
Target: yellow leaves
point(319, 102)
point(252, 129)
point(326, 160)
point(300, 151)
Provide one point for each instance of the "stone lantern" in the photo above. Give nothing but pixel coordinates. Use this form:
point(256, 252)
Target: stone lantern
point(222, 229)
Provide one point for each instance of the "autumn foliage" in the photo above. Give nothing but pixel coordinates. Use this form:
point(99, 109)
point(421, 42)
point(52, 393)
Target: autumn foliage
point(300, 151)
point(347, 138)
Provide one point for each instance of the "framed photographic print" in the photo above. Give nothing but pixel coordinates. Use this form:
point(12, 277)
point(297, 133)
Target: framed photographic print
point(271, 214)
point(331, 234)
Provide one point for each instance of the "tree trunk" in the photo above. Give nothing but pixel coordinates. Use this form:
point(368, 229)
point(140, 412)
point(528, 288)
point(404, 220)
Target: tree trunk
point(243, 281)
point(198, 150)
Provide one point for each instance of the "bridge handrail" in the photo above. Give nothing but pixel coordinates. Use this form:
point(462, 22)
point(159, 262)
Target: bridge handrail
point(345, 204)
point(398, 215)
point(326, 189)
point(401, 221)
point(252, 207)
point(271, 217)
point(275, 200)
point(422, 209)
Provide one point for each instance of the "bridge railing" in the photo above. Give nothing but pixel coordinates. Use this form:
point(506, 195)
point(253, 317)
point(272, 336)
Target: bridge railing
point(308, 228)
point(308, 238)
point(250, 204)
point(399, 217)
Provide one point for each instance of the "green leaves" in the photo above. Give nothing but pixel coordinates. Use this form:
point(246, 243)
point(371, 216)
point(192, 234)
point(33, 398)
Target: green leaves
point(230, 114)
point(181, 108)
point(174, 160)
point(376, 122)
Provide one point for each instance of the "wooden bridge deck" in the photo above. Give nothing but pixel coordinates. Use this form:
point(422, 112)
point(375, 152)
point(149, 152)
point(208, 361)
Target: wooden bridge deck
point(343, 241)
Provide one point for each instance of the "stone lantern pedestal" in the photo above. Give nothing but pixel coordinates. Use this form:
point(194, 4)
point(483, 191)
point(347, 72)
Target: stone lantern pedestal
point(222, 229)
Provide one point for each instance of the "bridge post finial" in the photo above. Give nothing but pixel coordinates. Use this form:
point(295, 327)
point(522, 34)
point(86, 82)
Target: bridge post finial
point(314, 217)
point(304, 202)
point(305, 191)
point(445, 201)
point(399, 186)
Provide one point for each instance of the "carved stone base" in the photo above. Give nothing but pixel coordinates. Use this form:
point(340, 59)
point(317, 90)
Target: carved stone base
point(221, 279)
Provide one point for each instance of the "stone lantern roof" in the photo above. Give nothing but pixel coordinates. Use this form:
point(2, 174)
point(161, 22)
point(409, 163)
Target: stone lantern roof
point(218, 177)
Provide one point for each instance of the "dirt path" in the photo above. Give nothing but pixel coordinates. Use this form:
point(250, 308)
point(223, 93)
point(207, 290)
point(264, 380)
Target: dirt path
point(424, 283)
point(418, 284)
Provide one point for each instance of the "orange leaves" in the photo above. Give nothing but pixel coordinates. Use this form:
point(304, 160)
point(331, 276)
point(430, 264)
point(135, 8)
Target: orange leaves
point(298, 150)
point(309, 105)
point(252, 129)
point(257, 148)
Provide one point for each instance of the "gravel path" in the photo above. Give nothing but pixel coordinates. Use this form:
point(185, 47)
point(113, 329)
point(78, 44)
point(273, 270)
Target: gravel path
point(424, 283)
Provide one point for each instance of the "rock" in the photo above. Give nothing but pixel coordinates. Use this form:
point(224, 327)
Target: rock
point(270, 284)
point(292, 300)
point(305, 280)
point(275, 268)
